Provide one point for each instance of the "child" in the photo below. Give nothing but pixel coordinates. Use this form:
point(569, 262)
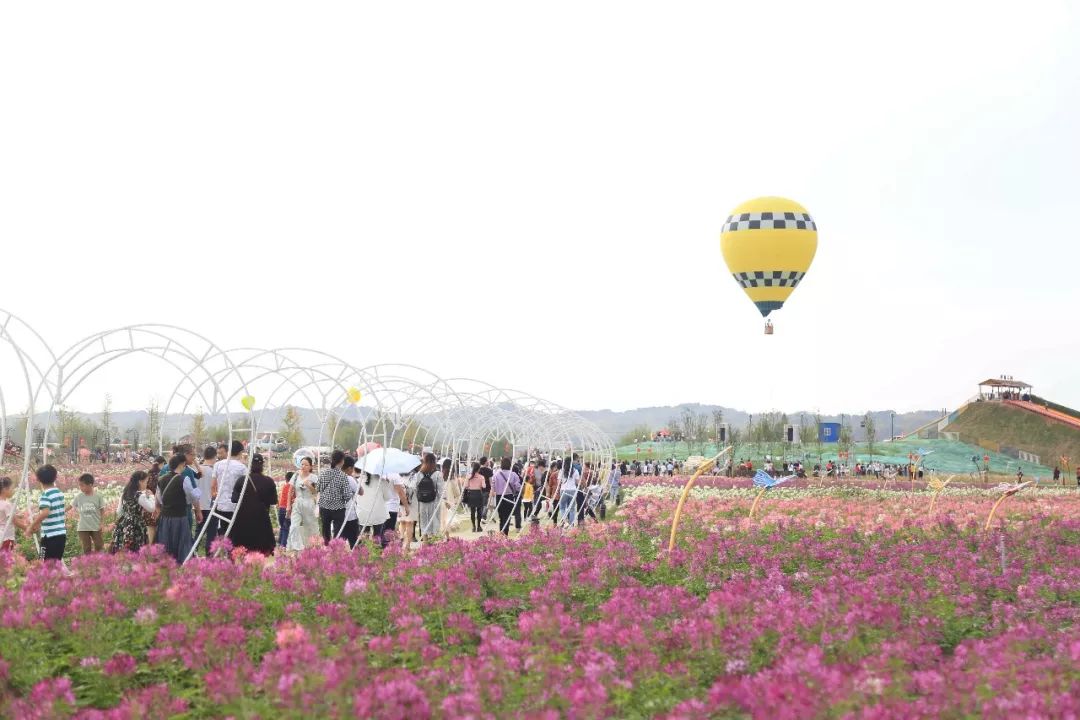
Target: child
point(8, 519)
point(89, 507)
point(284, 510)
point(50, 518)
point(527, 494)
point(594, 502)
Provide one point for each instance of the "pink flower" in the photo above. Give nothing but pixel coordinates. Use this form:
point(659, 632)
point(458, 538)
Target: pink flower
point(289, 633)
point(353, 587)
point(120, 664)
point(221, 547)
point(145, 615)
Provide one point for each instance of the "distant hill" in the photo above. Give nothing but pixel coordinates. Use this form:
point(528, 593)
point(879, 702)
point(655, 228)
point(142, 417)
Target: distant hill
point(176, 425)
point(617, 424)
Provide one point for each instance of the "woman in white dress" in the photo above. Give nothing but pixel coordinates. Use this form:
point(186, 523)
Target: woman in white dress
point(371, 509)
point(305, 518)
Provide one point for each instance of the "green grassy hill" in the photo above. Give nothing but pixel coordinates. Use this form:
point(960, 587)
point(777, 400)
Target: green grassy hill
point(947, 456)
point(993, 423)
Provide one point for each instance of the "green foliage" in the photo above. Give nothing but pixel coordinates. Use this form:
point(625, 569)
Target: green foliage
point(219, 433)
point(763, 650)
point(415, 436)
point(807, 433)
point(768, 428)
point(198, 430)
point(107, 429)
point(499, 448)
point(153, 426)
point(348, 435)
point(818, 445)
point(638, 433)
point(871, 433)
point(735, 439)
point(291, 428)
point(70, 426)
point(847, 437)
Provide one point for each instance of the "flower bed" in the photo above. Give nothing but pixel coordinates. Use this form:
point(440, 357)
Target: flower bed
point(832, 603)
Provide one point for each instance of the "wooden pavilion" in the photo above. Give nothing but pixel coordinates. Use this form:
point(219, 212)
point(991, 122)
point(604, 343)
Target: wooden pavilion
point(1005, 387)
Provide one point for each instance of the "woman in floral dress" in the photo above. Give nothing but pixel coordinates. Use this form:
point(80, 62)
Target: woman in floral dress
point(130, 533)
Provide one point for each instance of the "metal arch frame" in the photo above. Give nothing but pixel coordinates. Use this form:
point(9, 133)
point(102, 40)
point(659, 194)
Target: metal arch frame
point(398, 414)
point(287, 370)
point(420, 404)
point(344, 377)
point(568, 428)
point(26, 362)
point(89, 360)
point(590, 438)
point(316, 377)
point(445, 413)
point(490, 421)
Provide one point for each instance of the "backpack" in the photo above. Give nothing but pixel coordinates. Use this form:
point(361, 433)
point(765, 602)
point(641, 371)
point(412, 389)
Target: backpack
point(425, 489)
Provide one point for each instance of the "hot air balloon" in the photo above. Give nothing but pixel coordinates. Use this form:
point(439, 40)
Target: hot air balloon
point(768, 245)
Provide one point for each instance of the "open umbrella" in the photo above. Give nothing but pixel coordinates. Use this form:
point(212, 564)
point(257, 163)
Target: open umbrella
point(367, 447)
point(312, 453)
point(383, 461)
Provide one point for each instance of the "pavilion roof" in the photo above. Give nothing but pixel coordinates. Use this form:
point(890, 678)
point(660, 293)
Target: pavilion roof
point(999, 383)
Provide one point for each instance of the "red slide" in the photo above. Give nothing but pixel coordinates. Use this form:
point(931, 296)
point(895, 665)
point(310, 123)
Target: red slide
point(1046, 412)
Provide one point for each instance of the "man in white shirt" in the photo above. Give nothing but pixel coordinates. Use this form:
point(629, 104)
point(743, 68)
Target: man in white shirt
point(226, 473)
point(206, 492)
point(350, 531)
point(393, 505)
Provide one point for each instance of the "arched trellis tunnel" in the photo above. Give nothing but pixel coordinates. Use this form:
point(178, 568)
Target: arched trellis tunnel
point(396, 406)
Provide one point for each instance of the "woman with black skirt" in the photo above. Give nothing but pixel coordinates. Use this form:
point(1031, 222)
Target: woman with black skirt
point(252, 528)
point(474, 497)
point(174, 496)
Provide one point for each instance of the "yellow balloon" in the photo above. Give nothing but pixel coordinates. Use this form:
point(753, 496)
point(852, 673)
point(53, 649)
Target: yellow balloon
point(248, 402)
point(354, 395)
point(768, 245)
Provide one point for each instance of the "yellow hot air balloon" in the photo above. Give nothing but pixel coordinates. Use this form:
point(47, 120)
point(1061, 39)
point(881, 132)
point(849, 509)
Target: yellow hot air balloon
point(354, 395)
point(768, 245)
point(248, 402)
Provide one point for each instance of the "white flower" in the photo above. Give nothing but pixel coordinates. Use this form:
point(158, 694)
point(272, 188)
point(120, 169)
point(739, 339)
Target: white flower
point(871, 686)
point(735, 666)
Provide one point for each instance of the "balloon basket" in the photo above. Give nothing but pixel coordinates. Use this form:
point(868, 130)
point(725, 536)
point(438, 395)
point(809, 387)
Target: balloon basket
point(768, 328)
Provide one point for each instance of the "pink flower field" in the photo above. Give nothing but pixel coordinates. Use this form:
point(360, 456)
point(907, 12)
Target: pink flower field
point(831, 603)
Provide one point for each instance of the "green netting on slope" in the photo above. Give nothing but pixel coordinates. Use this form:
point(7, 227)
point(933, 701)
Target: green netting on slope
point(948, 456)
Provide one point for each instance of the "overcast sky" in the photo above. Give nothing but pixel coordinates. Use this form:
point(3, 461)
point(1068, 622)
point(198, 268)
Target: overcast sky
point(532, 194)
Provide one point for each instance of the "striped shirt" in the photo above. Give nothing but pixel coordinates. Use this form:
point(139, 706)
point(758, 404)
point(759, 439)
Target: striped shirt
point(52, 500)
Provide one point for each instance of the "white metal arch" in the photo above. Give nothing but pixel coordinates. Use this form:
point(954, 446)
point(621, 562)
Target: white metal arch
point(31, 353)
point(401, 406)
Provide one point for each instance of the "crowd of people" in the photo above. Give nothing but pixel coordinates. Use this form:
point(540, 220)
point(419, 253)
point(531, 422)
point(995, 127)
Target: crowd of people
point(191, 499)
point(653, 468)
point(831, 469)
